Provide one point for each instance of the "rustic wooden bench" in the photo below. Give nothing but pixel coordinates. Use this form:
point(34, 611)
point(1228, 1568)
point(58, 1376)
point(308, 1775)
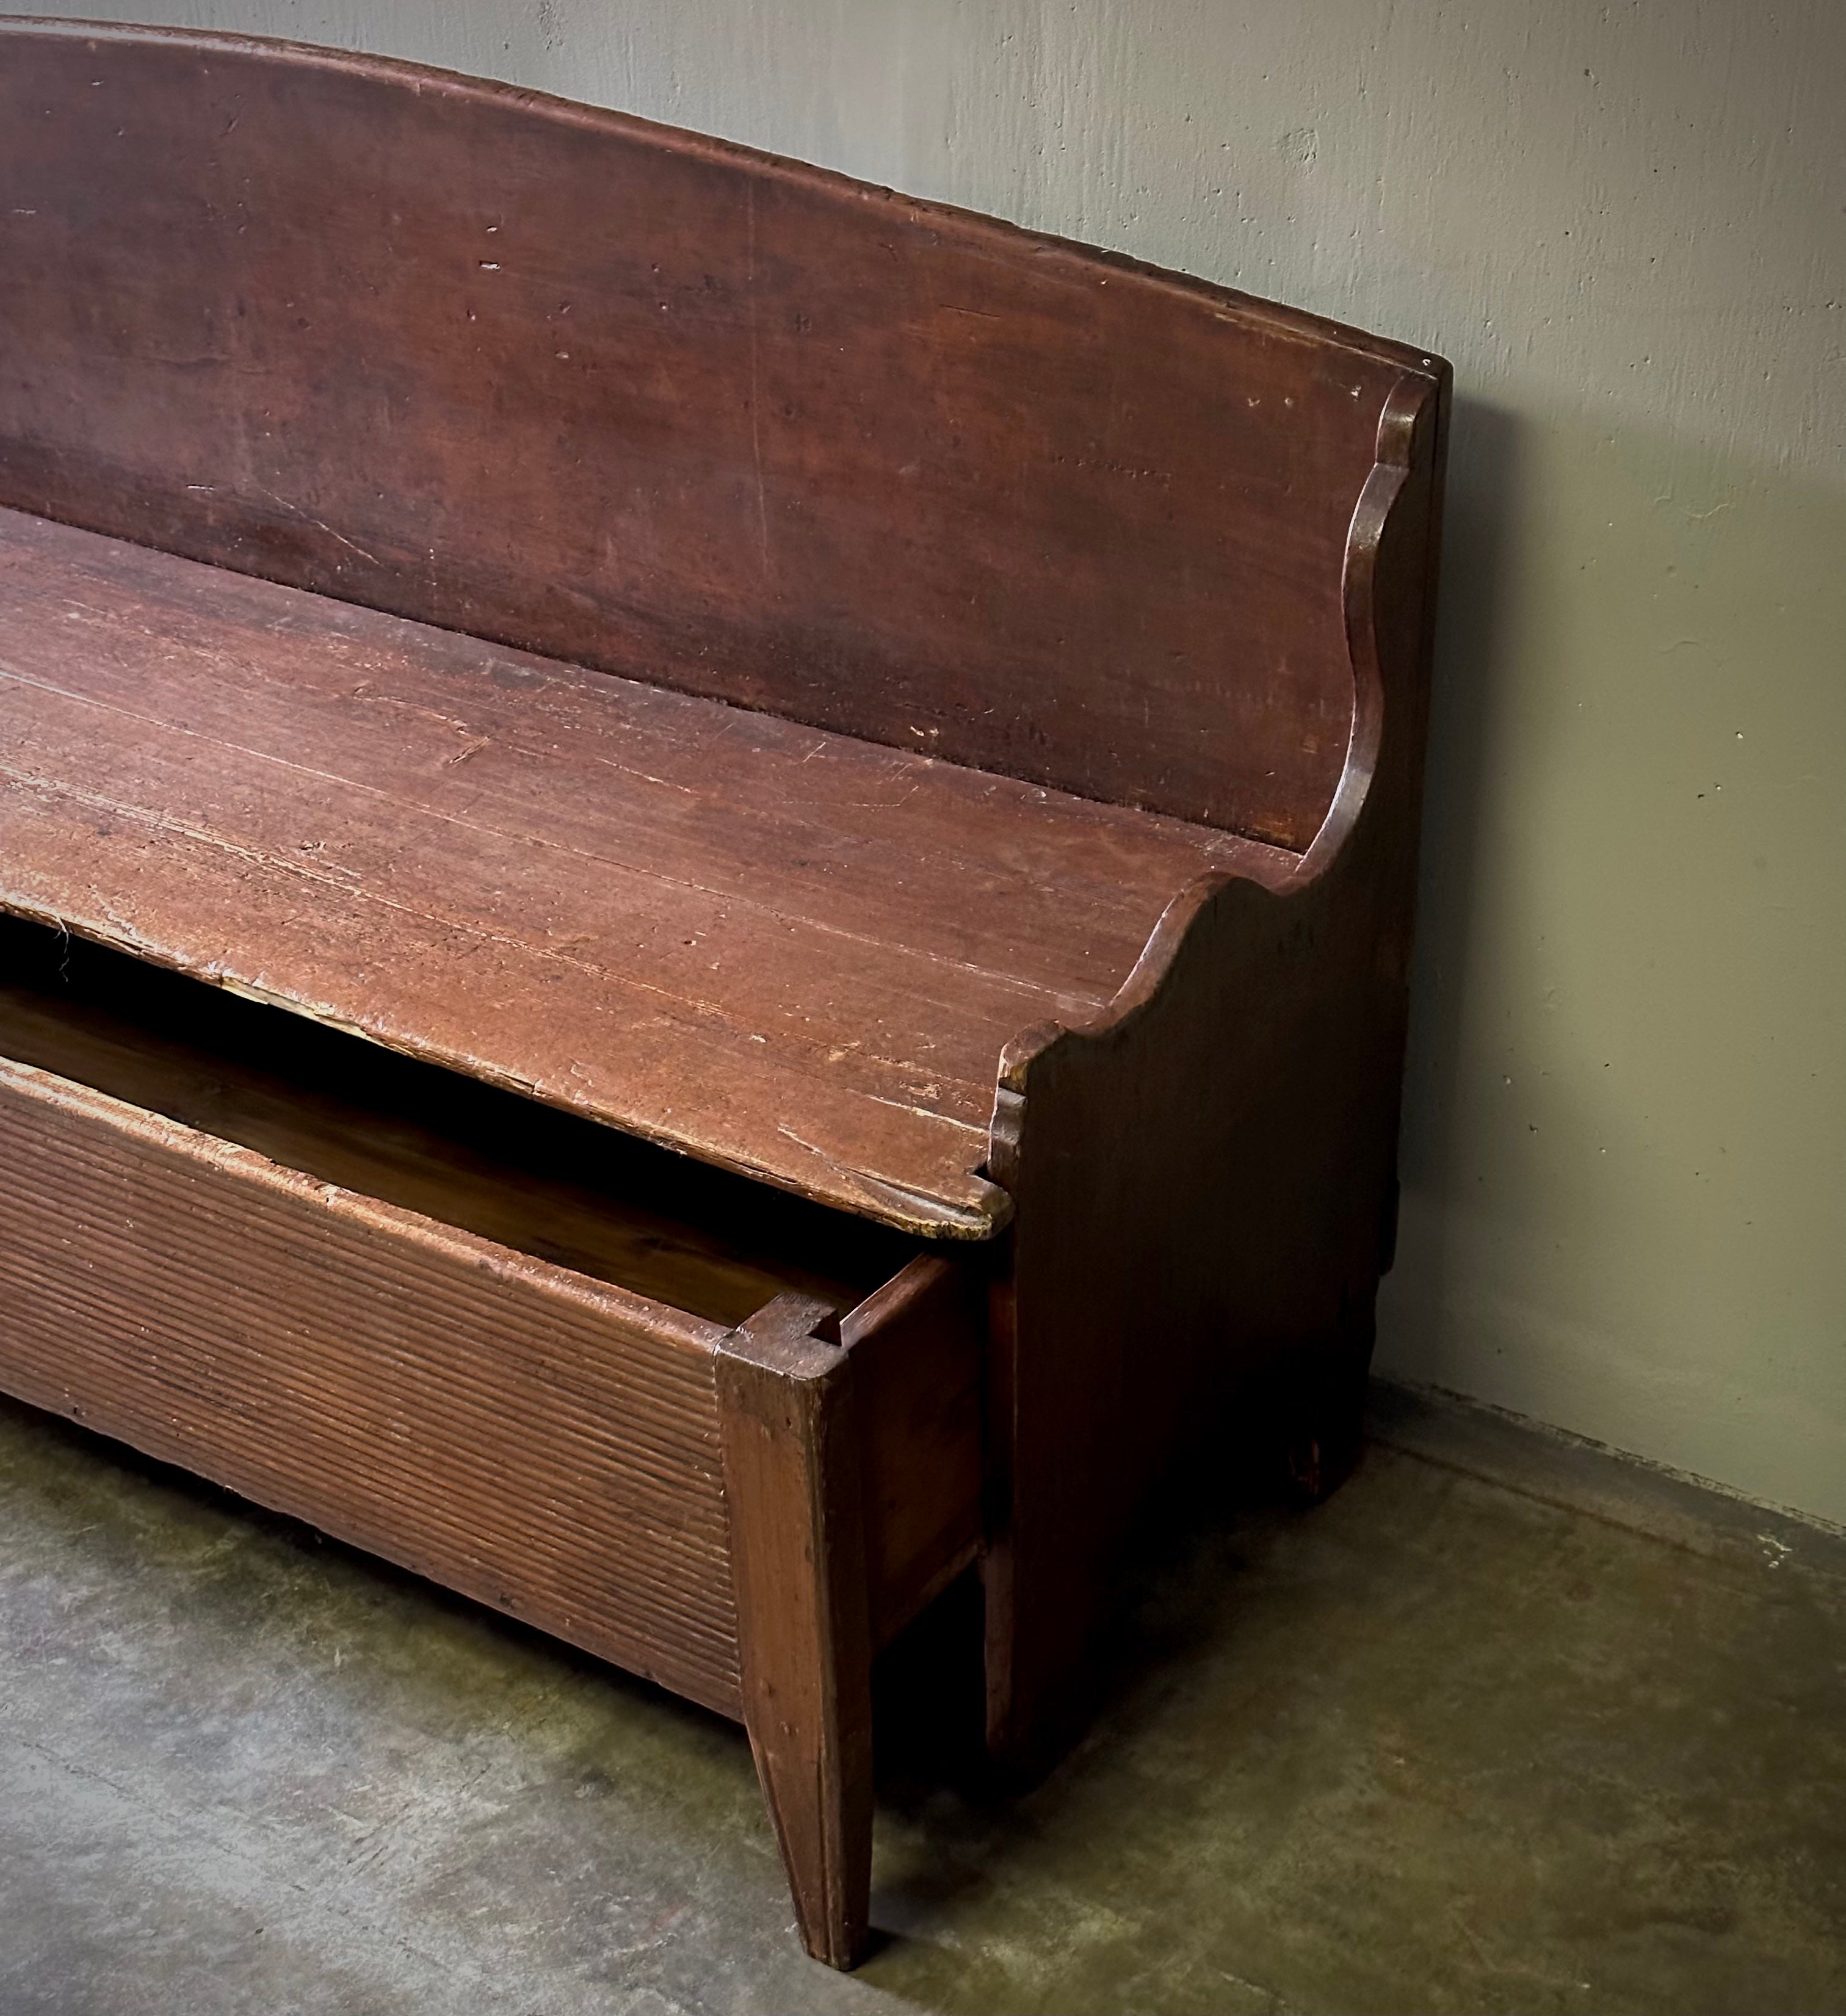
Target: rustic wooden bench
point(708, 874)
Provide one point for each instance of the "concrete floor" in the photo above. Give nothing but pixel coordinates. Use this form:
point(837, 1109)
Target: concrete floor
point(1508, 1725)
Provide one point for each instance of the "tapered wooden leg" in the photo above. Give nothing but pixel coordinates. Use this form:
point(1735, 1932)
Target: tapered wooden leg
point(1048, 1547)
point(1320, 1404)
point(798, 1564)
point(1056, 1530)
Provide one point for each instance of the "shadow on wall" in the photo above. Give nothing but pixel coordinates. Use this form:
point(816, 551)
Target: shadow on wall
point(1477, 631)
point(1476, 627)
point(1624, 1150)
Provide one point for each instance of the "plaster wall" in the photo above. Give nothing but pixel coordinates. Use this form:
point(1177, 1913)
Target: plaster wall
point(1624, 1195)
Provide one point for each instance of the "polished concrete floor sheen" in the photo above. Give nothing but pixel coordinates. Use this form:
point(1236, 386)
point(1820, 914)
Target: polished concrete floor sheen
point(1507, 1726)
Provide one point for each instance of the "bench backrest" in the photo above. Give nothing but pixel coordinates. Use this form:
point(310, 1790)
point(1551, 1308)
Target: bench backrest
point(674, 409)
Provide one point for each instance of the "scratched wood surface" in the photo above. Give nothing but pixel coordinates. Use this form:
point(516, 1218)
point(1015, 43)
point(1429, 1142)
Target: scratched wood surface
point(737, 655)
point(584, 385)
point(466, 1154)
point(793, 1454)
point(790, 952)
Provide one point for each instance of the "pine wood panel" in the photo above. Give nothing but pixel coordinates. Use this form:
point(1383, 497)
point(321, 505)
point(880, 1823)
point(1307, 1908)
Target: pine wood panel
point(587, 386)
point(789, 952)
point(792, 1449)
point(539, 1442)
point(348, 1112)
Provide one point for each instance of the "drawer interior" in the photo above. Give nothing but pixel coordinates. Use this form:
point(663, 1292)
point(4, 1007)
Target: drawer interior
point(347, 1111)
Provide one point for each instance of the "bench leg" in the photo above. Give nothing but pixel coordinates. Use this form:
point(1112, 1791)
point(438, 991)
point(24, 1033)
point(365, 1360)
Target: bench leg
point(1320, 1404)
point(1047, 1567)
point(797, 1566)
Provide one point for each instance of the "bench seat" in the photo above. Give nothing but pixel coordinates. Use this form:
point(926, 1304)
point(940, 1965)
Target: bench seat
point(784, 951)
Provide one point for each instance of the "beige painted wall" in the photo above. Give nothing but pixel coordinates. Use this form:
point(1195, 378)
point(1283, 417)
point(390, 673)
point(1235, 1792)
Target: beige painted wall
point(1625, 1205)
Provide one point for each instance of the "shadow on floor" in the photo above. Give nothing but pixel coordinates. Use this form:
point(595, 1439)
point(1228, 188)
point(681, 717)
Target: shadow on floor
point(1506, 1725)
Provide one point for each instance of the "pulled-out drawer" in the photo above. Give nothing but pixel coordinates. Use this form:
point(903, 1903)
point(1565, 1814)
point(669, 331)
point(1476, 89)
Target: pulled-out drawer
point(484, 1339)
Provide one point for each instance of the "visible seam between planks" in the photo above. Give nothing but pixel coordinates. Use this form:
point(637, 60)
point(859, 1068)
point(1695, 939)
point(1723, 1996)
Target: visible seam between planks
point(711, 1012)
point(555, 685)
point(1032, 988)
point(552, 678)
point(948, 1198)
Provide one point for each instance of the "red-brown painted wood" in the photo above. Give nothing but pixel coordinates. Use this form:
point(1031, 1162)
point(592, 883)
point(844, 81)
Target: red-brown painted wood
point(788, 952)
point(793, 1484)
point(311, 1269)
point(611, 534)
point(1205, 1174)
point(599, 389)
point(544, 1443)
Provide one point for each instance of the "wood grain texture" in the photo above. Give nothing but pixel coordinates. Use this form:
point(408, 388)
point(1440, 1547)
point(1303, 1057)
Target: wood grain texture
point(546, 1444)
point(793, 1486)
point(786, 952)
point(1205, 1173)
point(610, 392)
point(730, 654)
point(330, 1106)
point(918, 1347)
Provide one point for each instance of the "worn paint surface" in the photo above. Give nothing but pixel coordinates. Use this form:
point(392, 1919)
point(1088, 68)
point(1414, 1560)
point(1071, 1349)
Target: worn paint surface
point(1627, 1119)
point(576, 861)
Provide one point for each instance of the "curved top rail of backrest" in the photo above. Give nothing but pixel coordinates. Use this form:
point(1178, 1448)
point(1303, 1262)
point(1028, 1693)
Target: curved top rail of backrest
point(672, 408)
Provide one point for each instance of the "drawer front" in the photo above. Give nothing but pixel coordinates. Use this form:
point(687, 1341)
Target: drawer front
point(542, 1443)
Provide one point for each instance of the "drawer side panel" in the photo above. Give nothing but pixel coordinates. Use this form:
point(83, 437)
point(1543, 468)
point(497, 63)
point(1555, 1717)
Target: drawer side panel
point(535, 1440)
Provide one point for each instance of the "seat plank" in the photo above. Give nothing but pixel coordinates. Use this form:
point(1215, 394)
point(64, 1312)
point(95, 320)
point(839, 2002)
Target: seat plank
point(781, 950)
